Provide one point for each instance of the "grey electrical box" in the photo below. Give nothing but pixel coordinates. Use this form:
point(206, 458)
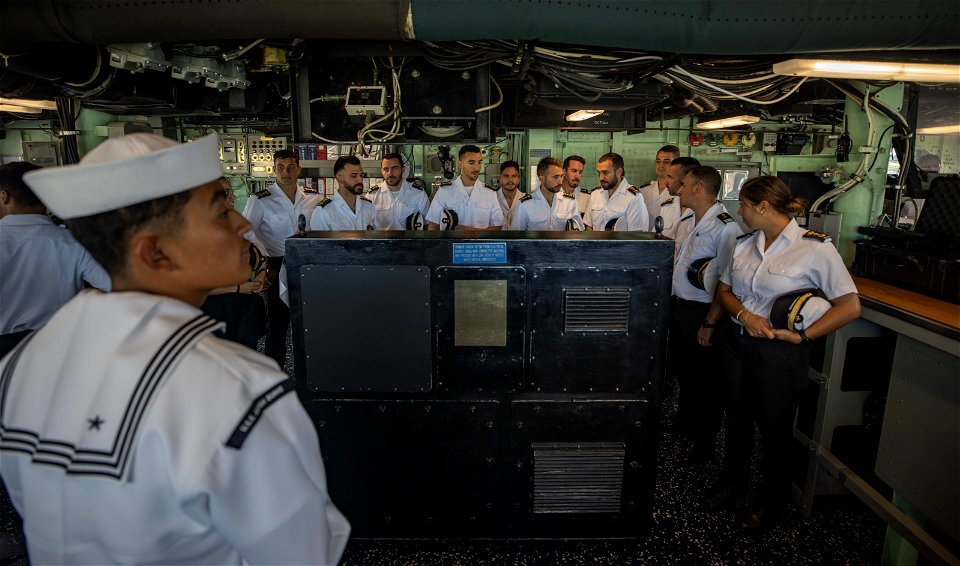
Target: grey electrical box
point(44, 154)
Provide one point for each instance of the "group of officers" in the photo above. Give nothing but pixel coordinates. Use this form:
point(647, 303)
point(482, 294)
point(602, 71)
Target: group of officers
point(168, 236)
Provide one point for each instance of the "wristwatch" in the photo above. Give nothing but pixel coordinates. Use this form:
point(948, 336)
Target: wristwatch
point(707, 324)
point(803, 336)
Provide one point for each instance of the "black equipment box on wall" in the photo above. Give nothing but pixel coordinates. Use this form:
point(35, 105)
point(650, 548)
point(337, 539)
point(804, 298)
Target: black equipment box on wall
point(497, 384)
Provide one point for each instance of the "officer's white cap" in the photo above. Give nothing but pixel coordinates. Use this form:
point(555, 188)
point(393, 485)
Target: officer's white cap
point(812, 310)
point(124, 171)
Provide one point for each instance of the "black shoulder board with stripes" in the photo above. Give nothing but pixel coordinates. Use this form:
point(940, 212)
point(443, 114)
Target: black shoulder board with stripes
point(742, 236)
point(633, 190)
point(525, 198)
point(262, 193)
point(324, 202)
point(253, 414)
point(311, 191)
point(725, 218)
point(489, 187)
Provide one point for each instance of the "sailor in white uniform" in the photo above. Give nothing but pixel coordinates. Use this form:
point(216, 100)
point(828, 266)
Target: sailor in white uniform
point(466, 203)
point(348, 209)
point(612, 203)
point(706, 240)
point(572, 174)
point(509, 193)
point(399, 204)
point(130, 433)
point(274, 214)
point(656, 194)
point(547, 208)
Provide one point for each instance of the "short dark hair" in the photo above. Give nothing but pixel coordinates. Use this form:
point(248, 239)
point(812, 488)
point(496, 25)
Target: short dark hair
point(396, 156)
point(566, 162)
point(468, 149)
point(286, 154)
point(708, 176)
point(508, 164)
point(107, 235)
point(342, 162)
point(685, 163)
point(545, 164)
point(669, 148)
point(11, 180)
point(615, 158)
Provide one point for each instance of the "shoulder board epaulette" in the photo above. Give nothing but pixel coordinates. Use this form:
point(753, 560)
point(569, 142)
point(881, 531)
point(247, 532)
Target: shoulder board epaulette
point(585, 190)
point(633, 190)
point(362, 197)
point(324, 202)
point(445, 183)
point(489, 187)
point(525, 198)
point(262, 193)
point(666, 202)
point(374, 188)
point(688, 217)
point(569, 195)
point(742, 236)
point(725, 218)
point(310, 191)
point(417, 183)
point(811, 235)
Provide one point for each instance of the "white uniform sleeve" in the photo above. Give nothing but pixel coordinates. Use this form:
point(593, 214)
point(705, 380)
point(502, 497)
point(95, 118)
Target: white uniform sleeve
point(519, 219)
point(588, 215)
point(318, 220)
point(636, 216)
point(423, 204)
point(269, 497)
point(496, 213)
point(831, 274)
point(436, 207)
point(253, 212)
point(726, 268)
point(307, 210)
point(725, 246)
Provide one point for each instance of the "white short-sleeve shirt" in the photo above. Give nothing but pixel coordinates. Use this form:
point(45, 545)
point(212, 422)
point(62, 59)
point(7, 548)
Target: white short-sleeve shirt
point(797, 259)
point(477, 208)
point(605, 207)
point(393, 208)
point(714, 236)
point(335, 214)
point(535, 213)
point(274, 218)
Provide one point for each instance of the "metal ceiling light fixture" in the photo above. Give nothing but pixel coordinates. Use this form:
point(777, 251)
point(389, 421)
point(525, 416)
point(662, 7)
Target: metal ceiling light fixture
point(37, 105)
point(869, 70)
point(728, 122)
point(581, 115)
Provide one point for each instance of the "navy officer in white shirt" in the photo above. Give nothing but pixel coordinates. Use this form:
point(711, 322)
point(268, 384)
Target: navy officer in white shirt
point(466, 203)
point(548, 207)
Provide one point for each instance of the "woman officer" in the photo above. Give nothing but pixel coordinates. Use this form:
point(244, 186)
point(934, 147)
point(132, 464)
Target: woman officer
point(765, 367)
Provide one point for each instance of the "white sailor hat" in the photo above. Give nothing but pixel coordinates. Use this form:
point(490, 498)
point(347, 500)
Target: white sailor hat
point(798, 310)
point(126, 170)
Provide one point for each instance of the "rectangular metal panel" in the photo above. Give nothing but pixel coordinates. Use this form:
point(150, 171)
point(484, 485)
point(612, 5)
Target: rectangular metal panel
point(366, 328)
point(479, 327)
point(919, 455)
point(596, 329)
point(404, 468)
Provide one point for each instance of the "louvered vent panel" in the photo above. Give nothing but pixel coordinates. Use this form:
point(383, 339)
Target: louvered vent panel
point(577, 478)
point(598, 309)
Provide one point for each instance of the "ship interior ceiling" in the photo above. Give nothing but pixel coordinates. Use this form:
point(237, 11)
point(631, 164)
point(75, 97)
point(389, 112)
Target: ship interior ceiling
point(874, 156)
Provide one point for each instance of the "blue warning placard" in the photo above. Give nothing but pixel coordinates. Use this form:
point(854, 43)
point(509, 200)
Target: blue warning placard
point(486, 253)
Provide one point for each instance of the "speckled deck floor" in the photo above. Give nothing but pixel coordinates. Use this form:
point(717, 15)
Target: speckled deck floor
point(840, 531)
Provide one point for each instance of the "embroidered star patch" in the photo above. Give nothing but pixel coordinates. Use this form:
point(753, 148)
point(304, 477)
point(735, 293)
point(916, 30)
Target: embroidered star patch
point(95, 423)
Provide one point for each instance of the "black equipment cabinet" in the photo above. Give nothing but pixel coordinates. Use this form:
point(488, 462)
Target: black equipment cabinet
point(488, 384)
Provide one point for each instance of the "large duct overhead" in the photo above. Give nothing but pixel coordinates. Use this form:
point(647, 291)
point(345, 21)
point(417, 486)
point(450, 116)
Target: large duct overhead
point(100, 22)
point(705, 27)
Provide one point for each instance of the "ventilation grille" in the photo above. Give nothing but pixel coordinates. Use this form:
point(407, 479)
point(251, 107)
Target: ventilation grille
point(596, 309)
point(577, 478)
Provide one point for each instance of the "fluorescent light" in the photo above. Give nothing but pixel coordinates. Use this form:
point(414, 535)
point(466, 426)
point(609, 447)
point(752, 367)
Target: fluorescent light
point(580, 115)
point(41, 104)
point(934, 130)
point(869, 70)
point(19, 109)
point(730, 122)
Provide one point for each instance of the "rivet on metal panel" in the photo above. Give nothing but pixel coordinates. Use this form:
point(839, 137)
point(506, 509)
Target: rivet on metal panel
point(519, 424)
point(654, 331)
point(656, 304)
point(637, 424)
point(489, 424)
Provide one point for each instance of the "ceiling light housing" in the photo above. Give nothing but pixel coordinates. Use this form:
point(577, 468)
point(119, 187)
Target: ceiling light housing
point(869, 70)
point(729, 122)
